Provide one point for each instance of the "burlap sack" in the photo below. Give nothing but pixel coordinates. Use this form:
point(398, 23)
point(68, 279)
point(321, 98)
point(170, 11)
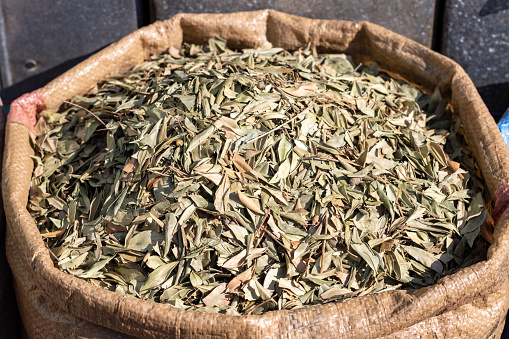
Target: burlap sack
point(9, 317)
point(469, 304)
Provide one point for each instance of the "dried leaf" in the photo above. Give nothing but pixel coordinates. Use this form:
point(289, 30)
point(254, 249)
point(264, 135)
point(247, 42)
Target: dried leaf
point(145, 241)
point(239, 280)
point(425, 258)
point(217, 297)
point(240, 258)
point(303, 89)
point(251, 204)
point(222, 195)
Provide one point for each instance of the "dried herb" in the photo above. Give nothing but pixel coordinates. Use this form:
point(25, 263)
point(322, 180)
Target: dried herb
point(243, 182)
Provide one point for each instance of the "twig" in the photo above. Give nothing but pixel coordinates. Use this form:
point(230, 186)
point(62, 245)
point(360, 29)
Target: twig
point(261, 230)
point(355, 70)
point(283, 95)
point(158, 173)
point(320, 157)
point(397, 202)
point(251, 309)
point(224, 55)
point(323, 256)
point(277, 240)
point(281, 126)
point(179, 172)
point(339, 100)
point(83, 108)
point(53, 255)
point(324, 222)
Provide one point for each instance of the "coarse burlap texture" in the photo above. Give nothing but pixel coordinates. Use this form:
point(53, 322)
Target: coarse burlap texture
point(9, 317)
point(469, 304)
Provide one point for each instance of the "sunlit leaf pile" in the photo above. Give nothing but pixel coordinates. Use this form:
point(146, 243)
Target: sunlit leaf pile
point(244, 182)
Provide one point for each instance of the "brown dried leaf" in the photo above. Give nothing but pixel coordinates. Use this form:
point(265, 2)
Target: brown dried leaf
point(211, 172)
point(240, 258)
point(301, 90)
point(217, 297)
point(236, 283)
point(243, 167)
point(251, 204)
point(222, 195)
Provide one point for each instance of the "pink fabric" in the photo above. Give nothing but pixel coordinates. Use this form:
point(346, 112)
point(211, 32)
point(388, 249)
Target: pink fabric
point(501, 201)
point(24, 109)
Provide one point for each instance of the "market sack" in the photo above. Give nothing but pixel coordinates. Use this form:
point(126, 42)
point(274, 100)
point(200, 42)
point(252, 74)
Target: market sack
point(54, 302)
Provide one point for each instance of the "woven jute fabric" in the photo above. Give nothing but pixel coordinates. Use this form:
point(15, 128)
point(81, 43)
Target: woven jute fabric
point(471, 303)
point(9, 318)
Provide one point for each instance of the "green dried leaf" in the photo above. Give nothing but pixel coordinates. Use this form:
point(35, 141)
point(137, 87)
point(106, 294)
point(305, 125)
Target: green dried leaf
point(158, 276)
point(371, 258)
point(425, 258)
point(145, 241)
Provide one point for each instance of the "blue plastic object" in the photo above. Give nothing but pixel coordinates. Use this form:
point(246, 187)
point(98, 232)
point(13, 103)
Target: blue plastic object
point(503, 125)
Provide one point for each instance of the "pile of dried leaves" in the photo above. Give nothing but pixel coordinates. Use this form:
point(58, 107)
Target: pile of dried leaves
point(243, 182)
